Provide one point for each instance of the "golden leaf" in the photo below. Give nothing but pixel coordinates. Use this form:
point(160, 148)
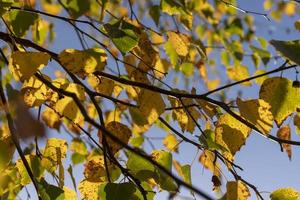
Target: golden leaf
point(121, 131)
point(283, 98)
point(257, 112)
point(24, 64)
point(285, 134)
point(237, 190)
point(297, 122)
point(89, 190)
point(171, 142)
point(231, 133)
point(53, 154)
point(237, 73)
point(207, 159)
point(180, 114)
point(83, 62)
point(180, 42)
point(51, 118)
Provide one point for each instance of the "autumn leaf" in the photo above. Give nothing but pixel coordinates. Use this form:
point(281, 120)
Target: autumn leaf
point(171, 143)
point(24, 64)
point(231, 133)
point(237, 190)
point(53, 154)
point(84, 62)
point(180, 42)
point(285, 134)
point(282, 96)
point(285, 194)
point(257, 111)
point(119, 130)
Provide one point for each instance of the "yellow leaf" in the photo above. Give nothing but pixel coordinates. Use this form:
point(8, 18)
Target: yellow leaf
point(121, 131)
point(283, 98)
point(171, 143)
point(24, 64)
point(51, 8)
point(51, 118)
point(53, 154)
point(285, 194)
point(208, 108)
point(95, 169)
point(231, 133)
point(146, 52)
point(207, 159)
point(35, 166)
point(7, 147)
point(89, 190)
point(237, 190)
point(268, 4)
point(180, 42)
point(290, 8)
point(260, 80)
point(285, 134)
point(161, 68)
point(102, 85)
point(70, 194)
point(258, 113)
point(212, 84)
point(297, 122)
point(83, 62)
point(151, 105)
point(180, 114)
point(68, 108)
point(237, 73)
point(76, 89)
point(36, 92)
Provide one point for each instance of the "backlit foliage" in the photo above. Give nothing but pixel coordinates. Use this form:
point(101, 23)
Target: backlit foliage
point(128, 90)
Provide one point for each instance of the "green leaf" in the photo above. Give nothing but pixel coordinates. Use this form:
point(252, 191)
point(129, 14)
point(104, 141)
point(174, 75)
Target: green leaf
point(123, 35)
point(164, 158)
point(21, 21)
point(50, 192)
point(35, 166)
point(172, 7)
point(187, 69)
point(171, 52)
point(77, 8)
point(288, 49)
point(154, 13)
point(139, 167)
point(263, 54)
point(285, 194)
point(4, 5)
point(113, 191)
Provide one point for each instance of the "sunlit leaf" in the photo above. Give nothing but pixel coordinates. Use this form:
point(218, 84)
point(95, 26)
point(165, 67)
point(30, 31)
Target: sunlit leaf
point(285, 134)
point(35, 166)
point(83, 62)
point(24, 64)
point(53, 154)
point(257, 112)
point(285, 194)
point(237, 190)
point(89, 190)
point(180, 42)
point(119, 130)
point(123, 35)
point(231, 133)
point(282, 96)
